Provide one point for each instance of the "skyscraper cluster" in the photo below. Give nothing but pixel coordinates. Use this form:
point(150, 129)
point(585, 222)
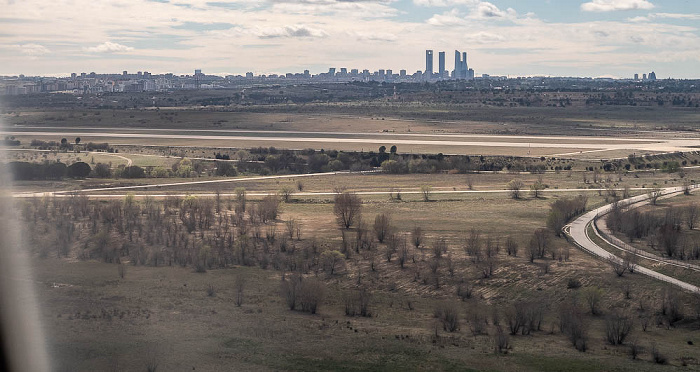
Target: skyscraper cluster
point(461, 70)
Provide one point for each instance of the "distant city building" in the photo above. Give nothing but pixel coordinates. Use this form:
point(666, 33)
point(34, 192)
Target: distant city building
point(248, 75)
point(636, 76)
point(441, 65)
point(124, 73)
point(652, 75)
point(644, 77)
point(429, 63)
point(461, 70)
point(197, 72)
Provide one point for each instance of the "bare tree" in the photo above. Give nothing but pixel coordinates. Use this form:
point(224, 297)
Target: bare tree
point(240, 200)
point(511, 246)
point(347, 209)
point(691, 214)
point(286, 193)
point(292, 226)
point(617, 327)
point(593, 296)
point(654, 195)
point(417, 237)
point(448, 315)
point(239, 287)
point(472, 244)
point(515, 186)
point(426, 190)
point(403, 251)
point(470, 182)
point(439, 247)
point(536, 188)
point(382, 226)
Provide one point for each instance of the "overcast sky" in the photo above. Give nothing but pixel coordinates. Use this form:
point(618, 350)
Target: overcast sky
point(503, 37)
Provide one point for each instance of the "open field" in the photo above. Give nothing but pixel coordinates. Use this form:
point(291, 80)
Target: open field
point(165, 314)
point(448, 144)
point(134, 273)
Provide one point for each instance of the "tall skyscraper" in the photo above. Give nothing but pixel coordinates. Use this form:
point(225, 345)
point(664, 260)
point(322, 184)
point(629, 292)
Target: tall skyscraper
point(429, 63)
point(441, 65)
point(461, 70)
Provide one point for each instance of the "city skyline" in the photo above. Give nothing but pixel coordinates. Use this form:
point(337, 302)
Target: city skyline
point(580, 38)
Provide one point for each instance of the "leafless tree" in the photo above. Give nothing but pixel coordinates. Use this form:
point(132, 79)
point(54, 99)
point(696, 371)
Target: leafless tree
point(286, 193)
point(403, 251)
point(439, 247)
point(691, 214)
point(426, 190)
point(239, 287)
point(617, 327)
point(654, 195)
point(240, 200)
point(347, 209)
point(417, 237)
point(382, 226)
point(515, 186)
point(593, 296)
point(472, 244)
point(511, 246)
point(448, 314)
point(536, 188)
point(292, 227)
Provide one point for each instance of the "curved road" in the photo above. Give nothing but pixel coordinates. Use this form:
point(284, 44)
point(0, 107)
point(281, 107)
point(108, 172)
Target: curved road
point(578, 230)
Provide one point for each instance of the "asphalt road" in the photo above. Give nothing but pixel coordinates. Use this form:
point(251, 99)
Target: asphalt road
point(578, 230)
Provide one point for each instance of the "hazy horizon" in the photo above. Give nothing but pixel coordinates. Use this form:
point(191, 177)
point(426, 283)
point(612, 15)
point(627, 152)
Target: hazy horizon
point(570, 38)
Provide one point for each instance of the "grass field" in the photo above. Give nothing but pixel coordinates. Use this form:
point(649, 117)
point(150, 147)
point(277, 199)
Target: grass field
point(165, 314)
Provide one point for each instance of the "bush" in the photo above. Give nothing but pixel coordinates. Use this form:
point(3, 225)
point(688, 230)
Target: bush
point(102, 170)
point(358, 303)
point(133, 171)
point(617, 328)
point(310, 295)
point(448, 314)
point(226, 169)
point(573, 283)
point(79, 170)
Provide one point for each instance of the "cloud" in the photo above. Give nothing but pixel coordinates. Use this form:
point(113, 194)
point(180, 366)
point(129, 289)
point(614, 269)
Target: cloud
point(108, 47)
point(33, 50)
point(293, 31)
point(436, 3)
point(488, 10)
point(375, 36)
point(484, 37)
point(675, 16)
point(614, 5)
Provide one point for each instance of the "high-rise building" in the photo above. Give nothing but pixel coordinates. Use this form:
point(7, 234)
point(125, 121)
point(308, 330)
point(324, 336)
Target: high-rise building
point(402, 73)
point(331, 71)
point(461, 70)
point(124, 73)
point(644, 77)
point(441, 65)
point(197, 72)
point(429, 63)
point(636, 76)
point(652, 75)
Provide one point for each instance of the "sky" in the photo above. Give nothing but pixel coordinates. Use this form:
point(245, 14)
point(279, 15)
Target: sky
point(591, 38)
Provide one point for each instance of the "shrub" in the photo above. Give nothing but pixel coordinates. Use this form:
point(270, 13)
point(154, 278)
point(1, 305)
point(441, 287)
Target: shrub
point(617, 328)
point(448, 314)
point(573, 283)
